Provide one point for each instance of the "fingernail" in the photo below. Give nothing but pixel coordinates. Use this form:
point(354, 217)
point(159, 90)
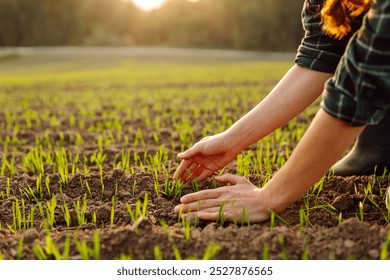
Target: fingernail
point(177, 208)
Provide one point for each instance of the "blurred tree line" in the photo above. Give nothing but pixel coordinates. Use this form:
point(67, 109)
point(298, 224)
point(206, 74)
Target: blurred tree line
point(239, 24)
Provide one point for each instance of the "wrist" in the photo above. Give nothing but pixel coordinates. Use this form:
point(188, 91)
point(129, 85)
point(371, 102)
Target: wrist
point(236, 140)
point(277, 198)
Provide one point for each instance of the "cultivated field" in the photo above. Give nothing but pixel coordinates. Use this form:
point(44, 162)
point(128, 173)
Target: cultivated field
point(88, 144)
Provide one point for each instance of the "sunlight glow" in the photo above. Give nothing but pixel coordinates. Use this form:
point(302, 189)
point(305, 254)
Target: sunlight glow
point(148, 5)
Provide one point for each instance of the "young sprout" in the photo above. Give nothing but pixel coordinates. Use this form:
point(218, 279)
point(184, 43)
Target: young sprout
point(245, 217)
point(65, 210)
point(51, 248)
point(176, 252)
point(303, 219)
point(20, 249)
point(221, 219)
point(80, 210)
point(86, 185)
point(275, 215)
point(158, 255)
point(360, 216)
point(139, 211)
point(112, 215)
point(50, 211)
point(195, 185)
point(82, 248)
point(385, 248)
point(173, 189)
point(283, 247)
point(39, 252)
point(211, 250)
point(47, 184)
point(265, 253)
point(96, 245)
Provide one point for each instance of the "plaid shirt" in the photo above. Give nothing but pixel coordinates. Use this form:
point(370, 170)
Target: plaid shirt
point(359, 92)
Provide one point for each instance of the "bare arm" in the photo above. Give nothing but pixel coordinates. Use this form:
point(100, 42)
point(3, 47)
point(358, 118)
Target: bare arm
point(299, 88)
point(323, 143)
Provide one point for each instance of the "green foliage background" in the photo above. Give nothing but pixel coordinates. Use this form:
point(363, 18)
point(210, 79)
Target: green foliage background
point(236, 24)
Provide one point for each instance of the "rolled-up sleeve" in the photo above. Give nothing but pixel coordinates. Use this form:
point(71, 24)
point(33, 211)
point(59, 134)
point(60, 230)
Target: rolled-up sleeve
point(317, 50)
point(359, 92)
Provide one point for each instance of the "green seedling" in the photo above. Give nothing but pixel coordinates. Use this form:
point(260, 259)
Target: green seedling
point(275, 215)
point(305, 253)
point(187, 230)
point(283, 247)
point(66, 250)
point(62, 165)
point(139, 211)
point(8, 188)
point(94, 219)
point(86, 186)
point(47, 185)
point(82, 248)
point(303, 219)
point(87, 253)
point(265, 252)
point(221, 215)
point(7, 165)
point(245, 219)
point(139, 138)
point(176, 252)
point(384, 254)
point(80, 210)
point(112, 215)
point(50, 211)
point(20, 249)
point(360, 215)
point(96, 246)
point(39, 252)
point(173, 189)
point(210, 252)
point(51, 249)
point(195, 185)
point(19, 216)
point(65, 210)
point(340, 218)
point(158, 255)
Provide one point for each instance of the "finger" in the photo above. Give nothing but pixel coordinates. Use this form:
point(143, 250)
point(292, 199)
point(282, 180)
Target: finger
point(183, 167)
point(195, 213)
point(191, 152)
point(194, 170)
point(205, 174)
point(230, 178)
point(201, 173)
point(214, 216)
point(210, 214)
point(201, 195)
point(197, 205)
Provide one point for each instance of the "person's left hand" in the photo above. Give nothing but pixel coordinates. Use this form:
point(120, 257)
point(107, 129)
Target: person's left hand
point(241, 202)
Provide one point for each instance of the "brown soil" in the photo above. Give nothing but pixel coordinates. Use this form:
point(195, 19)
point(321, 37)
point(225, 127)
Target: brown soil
point(333, 231)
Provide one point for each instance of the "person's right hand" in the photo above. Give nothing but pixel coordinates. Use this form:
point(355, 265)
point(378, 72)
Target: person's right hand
point(205, 158)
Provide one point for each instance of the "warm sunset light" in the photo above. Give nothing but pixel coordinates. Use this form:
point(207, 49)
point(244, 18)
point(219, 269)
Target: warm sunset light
point(148, 5)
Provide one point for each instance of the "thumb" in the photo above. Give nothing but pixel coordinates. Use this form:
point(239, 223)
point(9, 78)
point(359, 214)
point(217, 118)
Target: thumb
point(230, 178)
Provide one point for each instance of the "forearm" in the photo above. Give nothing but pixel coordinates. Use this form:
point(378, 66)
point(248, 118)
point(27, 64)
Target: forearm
point(296, 91)
point(322, 145)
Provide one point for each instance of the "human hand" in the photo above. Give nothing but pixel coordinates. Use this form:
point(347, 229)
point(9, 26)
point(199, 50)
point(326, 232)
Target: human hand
point(241, 202)
point(205, 158)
